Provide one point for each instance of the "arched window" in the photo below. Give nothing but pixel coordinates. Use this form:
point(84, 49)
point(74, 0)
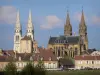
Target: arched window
point(17, 38)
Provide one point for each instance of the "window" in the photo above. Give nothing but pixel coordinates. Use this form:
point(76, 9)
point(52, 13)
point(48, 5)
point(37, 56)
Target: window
point(87, 62)
point(17, 38)
point(19, 58)
point(31, 58)
point(92, 62)
point(49, 58)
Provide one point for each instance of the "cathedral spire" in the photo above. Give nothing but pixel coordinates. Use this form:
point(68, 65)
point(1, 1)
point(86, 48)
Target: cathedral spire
point(18, 33)
point(68, 27)
point(67, 19)
point(18, 19)
point(82, 18)
point(30, 29)
point(30, 19)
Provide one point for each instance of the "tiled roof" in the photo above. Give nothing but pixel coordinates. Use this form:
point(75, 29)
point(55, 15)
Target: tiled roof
point(43, 53)
point(64, 40)
point(88, 57)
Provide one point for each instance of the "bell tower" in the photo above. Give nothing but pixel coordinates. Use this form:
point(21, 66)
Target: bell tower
point(83, 33)
point(18, 33)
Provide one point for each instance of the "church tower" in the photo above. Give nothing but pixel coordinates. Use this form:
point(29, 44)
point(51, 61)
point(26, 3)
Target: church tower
point(67, 26)
point(18, 33)
point(30, 28)
point(83, 33)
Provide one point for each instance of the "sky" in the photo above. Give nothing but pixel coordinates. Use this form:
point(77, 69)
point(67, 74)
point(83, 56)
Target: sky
point(48, 17)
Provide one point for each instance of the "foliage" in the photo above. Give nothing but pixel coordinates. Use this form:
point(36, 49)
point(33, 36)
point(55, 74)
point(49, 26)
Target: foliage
point(28, 69)
point(10, 69)
point(40, 64)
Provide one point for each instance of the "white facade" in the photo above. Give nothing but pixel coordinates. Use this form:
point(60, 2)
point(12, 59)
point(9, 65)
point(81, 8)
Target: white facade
point(30, 31)
point(18, 32)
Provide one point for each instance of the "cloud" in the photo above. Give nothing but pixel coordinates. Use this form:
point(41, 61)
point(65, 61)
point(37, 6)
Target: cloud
point(51, 22)
point(96, 20)
point(7, 15)
point(77, 16)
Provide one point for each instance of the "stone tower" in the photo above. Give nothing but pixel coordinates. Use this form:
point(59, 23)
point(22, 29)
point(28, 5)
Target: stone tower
point(18, 33)
point(30, 28)
point(67, 26)
point(83, 33)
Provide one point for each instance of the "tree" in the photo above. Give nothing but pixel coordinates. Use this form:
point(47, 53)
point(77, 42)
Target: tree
point(10, 69)
point(40, 64)
point(28, 69)
point(40, 69)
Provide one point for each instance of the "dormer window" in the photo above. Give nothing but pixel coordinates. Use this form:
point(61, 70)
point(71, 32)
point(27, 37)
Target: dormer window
point(19, 58)
point(41, 58)
point(49, 58)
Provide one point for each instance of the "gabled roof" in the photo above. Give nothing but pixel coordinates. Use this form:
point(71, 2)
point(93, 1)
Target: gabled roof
point(26, 38)
point(43, 53)
point(64, 40)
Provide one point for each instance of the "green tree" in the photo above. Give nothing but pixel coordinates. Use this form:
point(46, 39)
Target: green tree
point(40, 64)
point(10, 69)
point(40, 69)
point(28, 69)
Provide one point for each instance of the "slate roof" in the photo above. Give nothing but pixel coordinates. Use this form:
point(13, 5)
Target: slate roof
point(64, 40)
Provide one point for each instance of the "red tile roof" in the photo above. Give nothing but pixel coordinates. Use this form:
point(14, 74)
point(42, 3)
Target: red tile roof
point(88, 57)
point(45, 54)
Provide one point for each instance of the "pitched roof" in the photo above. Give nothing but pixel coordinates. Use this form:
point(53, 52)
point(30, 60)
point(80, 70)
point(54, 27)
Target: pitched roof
point(26, 38)
point(88, 57)
point(43, 53)
point(64, 40)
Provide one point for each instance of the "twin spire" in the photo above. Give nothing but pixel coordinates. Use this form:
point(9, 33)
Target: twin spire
point(29, 19)
point(30, 29)
point(68, 26)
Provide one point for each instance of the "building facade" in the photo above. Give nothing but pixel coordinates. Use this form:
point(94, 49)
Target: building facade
point(82, 62)
point(21, 59)
point(69, 44)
